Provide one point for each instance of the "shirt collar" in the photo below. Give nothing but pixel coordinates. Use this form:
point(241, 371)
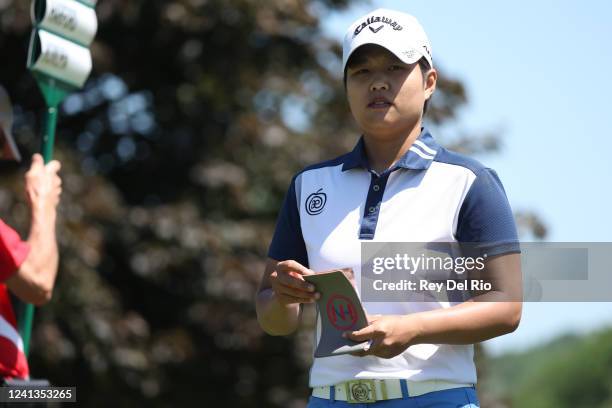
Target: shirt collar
point(418, 157)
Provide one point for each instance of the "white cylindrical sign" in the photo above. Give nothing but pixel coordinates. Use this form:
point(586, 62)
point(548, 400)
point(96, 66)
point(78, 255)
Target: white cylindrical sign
point(68, 18)
point(59, 58)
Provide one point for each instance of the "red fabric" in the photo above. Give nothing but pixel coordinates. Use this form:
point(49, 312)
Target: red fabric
point(6, 307)
point(13, 251)
point(13, 363)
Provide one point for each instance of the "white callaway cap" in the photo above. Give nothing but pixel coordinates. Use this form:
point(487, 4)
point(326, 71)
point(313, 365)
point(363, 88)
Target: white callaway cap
point(398, 32)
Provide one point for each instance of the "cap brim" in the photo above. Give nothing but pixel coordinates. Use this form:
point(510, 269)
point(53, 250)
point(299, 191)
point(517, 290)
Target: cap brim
point(9, 150)
point(406, 55)
point(8, 147)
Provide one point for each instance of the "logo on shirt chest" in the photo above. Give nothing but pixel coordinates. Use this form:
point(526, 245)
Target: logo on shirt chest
point(315, 202)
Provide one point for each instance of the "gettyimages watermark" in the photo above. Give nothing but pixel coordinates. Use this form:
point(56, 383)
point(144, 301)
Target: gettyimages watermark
point(456, 272)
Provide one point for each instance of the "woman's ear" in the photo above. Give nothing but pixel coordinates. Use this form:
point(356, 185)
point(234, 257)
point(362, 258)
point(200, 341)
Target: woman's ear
point(430, 82)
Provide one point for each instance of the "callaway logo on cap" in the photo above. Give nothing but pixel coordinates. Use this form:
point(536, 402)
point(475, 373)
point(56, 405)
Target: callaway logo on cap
point(398, 32)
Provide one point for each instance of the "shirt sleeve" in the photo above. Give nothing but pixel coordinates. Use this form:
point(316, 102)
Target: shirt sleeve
point(486, 219)
point(288, 241)
point(13, 251)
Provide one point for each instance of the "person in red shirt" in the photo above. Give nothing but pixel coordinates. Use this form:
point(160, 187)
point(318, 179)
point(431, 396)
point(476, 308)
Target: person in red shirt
point(27, 268)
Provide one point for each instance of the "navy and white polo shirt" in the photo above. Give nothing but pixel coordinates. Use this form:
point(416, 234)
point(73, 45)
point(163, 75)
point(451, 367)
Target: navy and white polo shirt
point(430, 195)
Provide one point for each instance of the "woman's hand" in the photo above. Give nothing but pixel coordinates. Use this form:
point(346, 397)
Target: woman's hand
point(289, 286)
point(389, 335)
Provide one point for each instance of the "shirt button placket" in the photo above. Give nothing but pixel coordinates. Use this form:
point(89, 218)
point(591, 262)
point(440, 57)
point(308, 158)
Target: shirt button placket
point(373, 204)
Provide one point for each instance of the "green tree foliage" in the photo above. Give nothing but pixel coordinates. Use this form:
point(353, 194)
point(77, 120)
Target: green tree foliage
point(570, 371)
point(176, 156)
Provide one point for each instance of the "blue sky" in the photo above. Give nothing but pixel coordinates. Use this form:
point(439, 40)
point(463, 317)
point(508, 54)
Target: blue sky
point(540, 73)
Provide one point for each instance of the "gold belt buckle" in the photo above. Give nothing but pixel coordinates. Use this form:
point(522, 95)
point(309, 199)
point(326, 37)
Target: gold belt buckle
point(360, 391)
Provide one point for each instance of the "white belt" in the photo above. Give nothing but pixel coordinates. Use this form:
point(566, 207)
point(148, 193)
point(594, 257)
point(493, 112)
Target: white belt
point(360, 391)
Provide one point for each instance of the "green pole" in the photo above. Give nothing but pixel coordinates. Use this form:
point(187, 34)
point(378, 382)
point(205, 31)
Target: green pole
point(26, 317)
point(62, 68)
point(54, 92)
point(25, 325)
point(48, 138)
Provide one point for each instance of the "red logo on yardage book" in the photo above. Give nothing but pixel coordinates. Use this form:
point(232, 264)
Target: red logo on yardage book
point(341, 312)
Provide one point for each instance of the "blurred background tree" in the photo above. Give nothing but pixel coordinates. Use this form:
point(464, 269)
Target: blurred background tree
point(569, 371)
point(176, 157)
